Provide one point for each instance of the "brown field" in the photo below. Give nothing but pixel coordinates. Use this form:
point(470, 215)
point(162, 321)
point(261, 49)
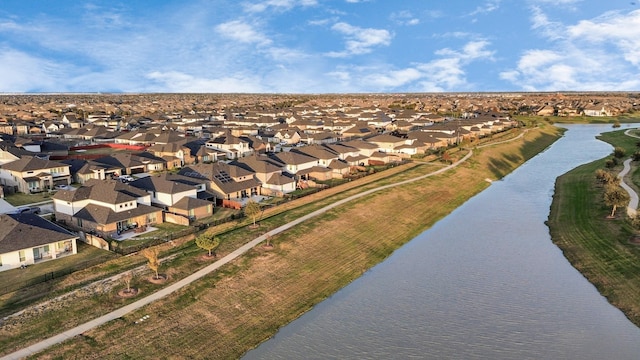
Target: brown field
point(231, 311)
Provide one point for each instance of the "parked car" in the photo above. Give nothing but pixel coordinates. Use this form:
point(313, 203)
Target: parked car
point(64, 187)
point(28, 209)
point(126, 178)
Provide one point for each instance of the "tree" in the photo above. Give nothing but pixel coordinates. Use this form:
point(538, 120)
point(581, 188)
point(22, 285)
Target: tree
point(605, 177)
point(611, 163)
point(267, 240)
point(619, 152)
point(209, 242)
point(252, 209)
point(152, 258)
point(126, 279)
point(446, 157)
point(615, 196)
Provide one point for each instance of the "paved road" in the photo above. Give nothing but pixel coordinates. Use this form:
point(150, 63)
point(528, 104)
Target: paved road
point(42, 345)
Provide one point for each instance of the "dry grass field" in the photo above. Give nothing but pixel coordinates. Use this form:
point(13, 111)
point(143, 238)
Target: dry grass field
point(232, 310)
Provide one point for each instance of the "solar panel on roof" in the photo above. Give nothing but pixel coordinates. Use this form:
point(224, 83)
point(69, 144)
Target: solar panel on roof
point(223, 176)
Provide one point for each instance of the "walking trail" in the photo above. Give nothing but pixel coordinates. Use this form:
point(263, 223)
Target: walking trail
point(42, 345)
point(633, 196)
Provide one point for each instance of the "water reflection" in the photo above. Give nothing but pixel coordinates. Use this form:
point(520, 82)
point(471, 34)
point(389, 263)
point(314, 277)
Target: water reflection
point(485, 282)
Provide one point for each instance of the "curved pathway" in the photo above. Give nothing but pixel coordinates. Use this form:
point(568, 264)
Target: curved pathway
point(633, 202)
point(42, 345)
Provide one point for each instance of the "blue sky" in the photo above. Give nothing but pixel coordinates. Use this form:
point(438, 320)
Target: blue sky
point(318, 46)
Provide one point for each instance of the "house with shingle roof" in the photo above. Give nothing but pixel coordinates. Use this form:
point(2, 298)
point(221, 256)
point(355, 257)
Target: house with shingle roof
point(233, 146)
point(358, 130)
point(129, 163)
point(27, 239)
point(164, 192)
point(83, 170)
point(269, 173)
point(31, 174)
point(430, 140)
point(9, 152)
point(174, 153)
point(324, 154)
point(107, 207)
point(226, 181)
point(192, 208)
point(388, 143)
point(295, 163)
point(288, 136)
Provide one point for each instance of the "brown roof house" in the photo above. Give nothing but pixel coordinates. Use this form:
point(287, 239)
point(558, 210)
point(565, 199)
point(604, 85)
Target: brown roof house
point(27, 239)
point(269, 173)
point(234, 147)
point(107, 207)
point(31, 174)
point(232, 184)
point(176, 197)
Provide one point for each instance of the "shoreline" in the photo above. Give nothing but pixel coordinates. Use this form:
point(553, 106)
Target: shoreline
point(600, 248)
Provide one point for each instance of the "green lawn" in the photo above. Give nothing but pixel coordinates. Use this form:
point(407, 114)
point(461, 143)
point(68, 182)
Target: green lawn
point(598, 247)
point(87, 256)
point(19, 199)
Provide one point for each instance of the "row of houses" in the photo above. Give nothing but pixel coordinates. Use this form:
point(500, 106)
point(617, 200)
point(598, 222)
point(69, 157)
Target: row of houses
point(226, 169)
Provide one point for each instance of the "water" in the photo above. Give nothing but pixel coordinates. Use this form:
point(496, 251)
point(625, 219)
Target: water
point(484, 282)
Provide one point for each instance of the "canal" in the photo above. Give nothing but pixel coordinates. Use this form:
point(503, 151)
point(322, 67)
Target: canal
point(484, 282)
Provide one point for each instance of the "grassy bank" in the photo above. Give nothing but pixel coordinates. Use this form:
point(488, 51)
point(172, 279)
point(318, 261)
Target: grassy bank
point(598, 247)
point(232, 310)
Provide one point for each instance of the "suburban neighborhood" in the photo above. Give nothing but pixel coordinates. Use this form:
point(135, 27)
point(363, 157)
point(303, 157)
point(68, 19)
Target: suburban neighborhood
point(116, 165)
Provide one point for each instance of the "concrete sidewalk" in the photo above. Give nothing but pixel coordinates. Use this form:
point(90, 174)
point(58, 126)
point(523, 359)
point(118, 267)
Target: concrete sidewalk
point(633, 196)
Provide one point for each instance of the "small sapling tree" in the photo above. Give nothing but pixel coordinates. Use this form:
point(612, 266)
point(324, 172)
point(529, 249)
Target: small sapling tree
point(152, 260)
point(252, 210)
point(208, 242)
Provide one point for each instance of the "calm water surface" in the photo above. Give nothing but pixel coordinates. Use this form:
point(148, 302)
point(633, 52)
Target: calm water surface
point(486, 282)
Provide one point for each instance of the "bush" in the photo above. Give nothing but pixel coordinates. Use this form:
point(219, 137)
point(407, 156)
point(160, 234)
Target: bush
point(619, 152)
point(611, 163)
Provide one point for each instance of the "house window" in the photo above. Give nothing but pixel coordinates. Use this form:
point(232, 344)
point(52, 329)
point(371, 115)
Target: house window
point(79, 221)
point(209, 208)
point(191, 212)
point(151, 218)
point(22, 256)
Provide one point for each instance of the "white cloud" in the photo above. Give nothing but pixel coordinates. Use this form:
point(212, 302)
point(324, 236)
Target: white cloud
point(394, 78)
point(404, 18)
point(20, 71)
point(622, 31)
point(278, 5)
point(446, 73)
point(360, 40)
point(540, 22)
point(597, 54)
point(242, 32)
point(557, 2)
point(487, 7)
point(176, 81)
